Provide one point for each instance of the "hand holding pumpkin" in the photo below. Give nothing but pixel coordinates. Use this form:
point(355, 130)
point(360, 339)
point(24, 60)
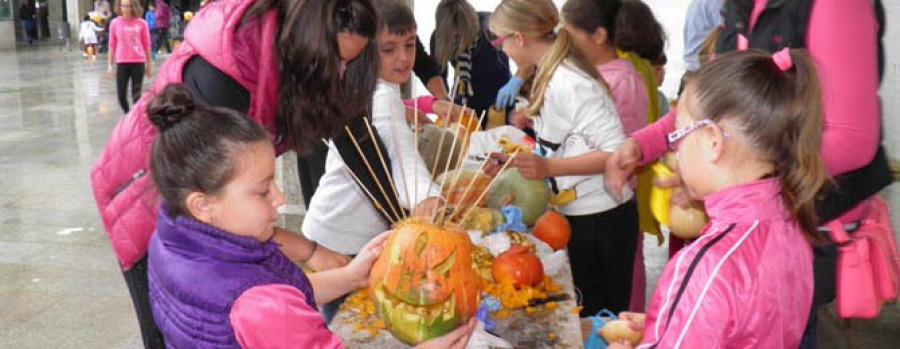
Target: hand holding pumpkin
point(457, 339)
point(358, 269)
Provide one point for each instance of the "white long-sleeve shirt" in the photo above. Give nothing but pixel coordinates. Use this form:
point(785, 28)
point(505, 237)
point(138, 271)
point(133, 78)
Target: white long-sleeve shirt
point(88, 32)
point(340, 215)
point(578, 117)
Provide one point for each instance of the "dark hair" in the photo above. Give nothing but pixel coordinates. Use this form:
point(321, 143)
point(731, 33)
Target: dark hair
point(195, 148)
point(395, 17)
point(661, 60)
point(87, 17)
point(638, 31)
point(313, 101)
point(630, 24)
point(779, 113)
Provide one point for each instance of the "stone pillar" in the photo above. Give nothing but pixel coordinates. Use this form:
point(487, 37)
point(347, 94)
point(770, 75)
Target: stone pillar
point(890, 99)
point(290, 215)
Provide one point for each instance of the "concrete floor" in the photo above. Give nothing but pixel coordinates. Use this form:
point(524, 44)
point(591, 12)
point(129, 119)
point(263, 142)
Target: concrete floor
point(60, 284)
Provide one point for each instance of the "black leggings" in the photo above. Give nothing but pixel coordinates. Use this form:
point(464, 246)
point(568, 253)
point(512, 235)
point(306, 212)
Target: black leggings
point(125, 72)
point(139, 288)
point(601, 251)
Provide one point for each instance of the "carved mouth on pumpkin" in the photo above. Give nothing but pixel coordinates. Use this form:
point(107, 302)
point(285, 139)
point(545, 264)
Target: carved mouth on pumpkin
point(413, 323)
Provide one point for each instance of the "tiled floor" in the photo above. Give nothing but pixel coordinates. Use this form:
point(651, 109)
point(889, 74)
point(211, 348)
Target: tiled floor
point(60, 285)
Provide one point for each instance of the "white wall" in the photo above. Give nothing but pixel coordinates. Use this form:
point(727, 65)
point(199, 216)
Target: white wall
point(890, 96)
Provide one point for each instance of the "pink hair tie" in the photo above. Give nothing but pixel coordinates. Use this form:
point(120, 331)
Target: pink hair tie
point(783, 59)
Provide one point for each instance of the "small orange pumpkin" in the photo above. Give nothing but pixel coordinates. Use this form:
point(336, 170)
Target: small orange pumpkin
point(454, 193)
point(519, 265)
point(553, 228)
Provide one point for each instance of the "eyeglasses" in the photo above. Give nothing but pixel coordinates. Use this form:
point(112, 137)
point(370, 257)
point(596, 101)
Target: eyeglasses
point(498, 42)
point(679, 134)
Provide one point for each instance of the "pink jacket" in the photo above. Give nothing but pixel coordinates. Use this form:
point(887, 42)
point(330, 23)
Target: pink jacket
point(746, 282)
point(122, 188)
point(277, 316)
point(130, 39)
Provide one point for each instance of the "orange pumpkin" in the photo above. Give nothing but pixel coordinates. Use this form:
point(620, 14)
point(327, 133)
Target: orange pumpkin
point(453, 192)
point(424, 284)
point(553, 229)
point(519, 265)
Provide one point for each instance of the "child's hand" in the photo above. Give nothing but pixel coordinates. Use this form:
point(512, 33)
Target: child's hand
point(453, 340)
point(518, 119)
point(358, 269)
point(324, 259)
point(445, 109)
point(532, 166)
point(428, 207)
point(635, 320)
point(620, 166)
point(109, 71)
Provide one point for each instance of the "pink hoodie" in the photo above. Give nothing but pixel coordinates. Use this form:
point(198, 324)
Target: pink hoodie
point(746, 282)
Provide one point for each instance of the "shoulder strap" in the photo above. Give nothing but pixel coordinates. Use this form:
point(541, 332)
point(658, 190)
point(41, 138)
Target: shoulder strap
point(382, 199)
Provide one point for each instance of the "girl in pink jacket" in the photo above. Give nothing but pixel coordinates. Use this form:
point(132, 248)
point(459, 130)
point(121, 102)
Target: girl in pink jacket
point(747, 141)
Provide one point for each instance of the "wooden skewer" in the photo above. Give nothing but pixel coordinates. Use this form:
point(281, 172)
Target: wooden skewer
point(384, 165)
point(371, 172)
point(359, 183)
point(469, 188)
point(491, 183)
point(434, 166)
point(460, 158)
point(415, 148)
point(447, 168)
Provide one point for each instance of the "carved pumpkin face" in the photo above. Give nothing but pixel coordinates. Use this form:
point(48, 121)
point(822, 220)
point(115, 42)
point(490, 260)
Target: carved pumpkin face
point(423, 284)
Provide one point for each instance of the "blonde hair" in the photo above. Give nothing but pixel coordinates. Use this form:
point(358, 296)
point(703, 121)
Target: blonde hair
point(539, 19)
point(455, 29)
point(778, 112)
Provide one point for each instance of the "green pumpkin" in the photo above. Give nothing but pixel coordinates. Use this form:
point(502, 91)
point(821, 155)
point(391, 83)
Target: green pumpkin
point(511, 188)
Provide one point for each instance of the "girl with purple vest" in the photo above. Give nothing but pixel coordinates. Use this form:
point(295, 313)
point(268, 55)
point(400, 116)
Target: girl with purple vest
point(217, 277)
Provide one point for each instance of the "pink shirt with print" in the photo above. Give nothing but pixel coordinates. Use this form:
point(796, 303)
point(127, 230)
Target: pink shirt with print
point(130, 39)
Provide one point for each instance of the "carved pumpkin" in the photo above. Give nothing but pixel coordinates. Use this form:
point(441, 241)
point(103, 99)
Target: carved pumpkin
point(424, 284)
point(530, 196)
point(553, 229)
point(453, 193)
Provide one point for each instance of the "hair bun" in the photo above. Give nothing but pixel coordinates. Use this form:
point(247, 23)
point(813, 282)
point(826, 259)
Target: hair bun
point(174, 104)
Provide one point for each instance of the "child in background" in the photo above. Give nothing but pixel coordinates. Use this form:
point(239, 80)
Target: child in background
point(659, 68)
point(573, 114)
point(150, 18)
point(747, 141)
point(129, 49)
point(88, 34)
point(217, 277)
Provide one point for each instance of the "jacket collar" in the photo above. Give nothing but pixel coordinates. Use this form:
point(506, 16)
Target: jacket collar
point(757, 200)
point(191, 237)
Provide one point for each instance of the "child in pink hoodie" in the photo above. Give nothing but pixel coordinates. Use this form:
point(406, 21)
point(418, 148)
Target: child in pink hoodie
point(129, 46)
point(747, 141)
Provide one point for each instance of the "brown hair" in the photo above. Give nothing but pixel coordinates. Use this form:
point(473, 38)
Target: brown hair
point(455, 29)
point(539, 20)
point(314, 102)
point(395, 17)
point(779, 113)
point(638, 31)
point(136, 10)
point(196, 146)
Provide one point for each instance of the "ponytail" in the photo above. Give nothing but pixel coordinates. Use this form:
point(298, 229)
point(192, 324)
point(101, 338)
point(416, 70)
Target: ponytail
point(775, 104)
point(562, 48)
point(802, 171)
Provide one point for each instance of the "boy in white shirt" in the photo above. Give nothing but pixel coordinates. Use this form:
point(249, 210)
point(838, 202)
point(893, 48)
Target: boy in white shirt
point(340, 215)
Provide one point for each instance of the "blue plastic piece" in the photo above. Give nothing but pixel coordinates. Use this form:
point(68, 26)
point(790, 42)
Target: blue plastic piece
point(513, 216)
point(594, 341)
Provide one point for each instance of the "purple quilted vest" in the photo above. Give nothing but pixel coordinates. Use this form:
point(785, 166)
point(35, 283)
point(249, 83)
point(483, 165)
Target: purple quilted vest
point(197, 271)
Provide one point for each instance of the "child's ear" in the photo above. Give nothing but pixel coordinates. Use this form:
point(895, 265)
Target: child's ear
point(200, 206)
point(520, 39)
point(713, 143)
point(600, 36)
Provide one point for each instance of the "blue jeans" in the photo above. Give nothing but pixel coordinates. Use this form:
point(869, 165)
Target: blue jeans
point(28, 28)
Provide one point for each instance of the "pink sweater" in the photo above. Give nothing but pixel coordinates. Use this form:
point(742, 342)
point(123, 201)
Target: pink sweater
point(129, 38)
point(628, 92)
point(841, 40)
point(277, 316)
